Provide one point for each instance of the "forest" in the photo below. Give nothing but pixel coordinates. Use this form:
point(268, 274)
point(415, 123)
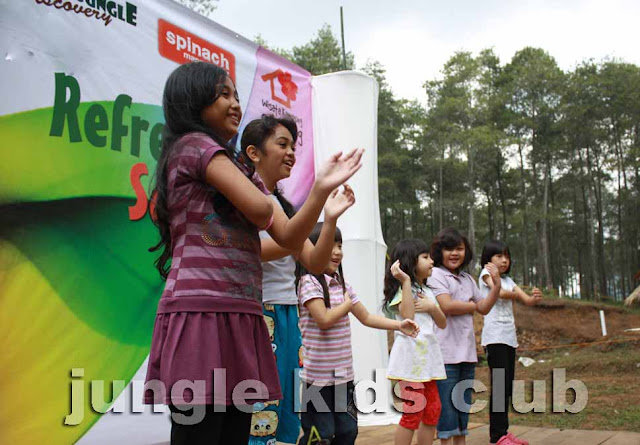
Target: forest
point(543, 159)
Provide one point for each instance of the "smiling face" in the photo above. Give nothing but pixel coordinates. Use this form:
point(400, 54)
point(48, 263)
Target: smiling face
point(502, 262)
point(424, 266)
point(336, 259)
point(452, 258)
point(276, 157)
point(223, 116)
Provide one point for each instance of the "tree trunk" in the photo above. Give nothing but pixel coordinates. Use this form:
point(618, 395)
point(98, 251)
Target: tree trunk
point(544, 241)
point(525, 219)
point(490, 217)
point(590, 224)
point(596, 219)
point(440, 221)
point(539, 278)
point(471, 198)
point(503, 206)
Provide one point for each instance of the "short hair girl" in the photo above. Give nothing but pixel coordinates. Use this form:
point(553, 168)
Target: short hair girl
point(459, 298)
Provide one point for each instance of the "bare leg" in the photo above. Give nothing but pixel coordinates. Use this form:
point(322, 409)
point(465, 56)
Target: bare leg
point(448, 441)
point(426, 434)
point(459, 440)
point(404, 436)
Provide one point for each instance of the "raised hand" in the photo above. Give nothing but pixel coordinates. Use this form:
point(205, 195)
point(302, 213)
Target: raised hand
point(409, 327)
point(338, 169)
point(338, 202)
point(398, 273)
point(494, 273)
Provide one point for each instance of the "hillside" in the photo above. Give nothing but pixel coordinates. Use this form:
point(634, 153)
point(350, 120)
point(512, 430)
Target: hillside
point(561, 333)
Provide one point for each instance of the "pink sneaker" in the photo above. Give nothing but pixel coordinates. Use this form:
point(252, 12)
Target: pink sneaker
point(517, 440)
point(506, 440)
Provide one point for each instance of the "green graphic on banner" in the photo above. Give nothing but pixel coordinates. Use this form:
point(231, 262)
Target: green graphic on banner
point(78, 289)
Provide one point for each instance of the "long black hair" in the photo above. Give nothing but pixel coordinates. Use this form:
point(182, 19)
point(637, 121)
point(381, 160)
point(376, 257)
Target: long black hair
point(301, 270)
point(450, 238)
point(407, 251)
point(189, 89)
point(256, 133)
point(495, 247)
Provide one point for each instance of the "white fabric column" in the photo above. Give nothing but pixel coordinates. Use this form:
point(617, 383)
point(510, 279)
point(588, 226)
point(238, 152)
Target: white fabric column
point(345, 117)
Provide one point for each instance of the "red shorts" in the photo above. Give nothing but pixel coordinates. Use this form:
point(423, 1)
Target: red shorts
point(421, 404)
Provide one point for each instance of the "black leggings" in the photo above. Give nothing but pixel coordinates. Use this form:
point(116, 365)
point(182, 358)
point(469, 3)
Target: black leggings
point(502, 362)
point(229, 428)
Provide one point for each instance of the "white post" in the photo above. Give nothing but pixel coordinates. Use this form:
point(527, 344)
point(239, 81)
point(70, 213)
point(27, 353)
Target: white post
point(603, 324)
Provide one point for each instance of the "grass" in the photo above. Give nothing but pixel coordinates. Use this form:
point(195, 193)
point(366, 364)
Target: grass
point(611, 374)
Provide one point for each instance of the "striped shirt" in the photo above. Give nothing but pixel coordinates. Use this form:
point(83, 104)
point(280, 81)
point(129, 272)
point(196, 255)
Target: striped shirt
point(215, 264)
point(326, 353)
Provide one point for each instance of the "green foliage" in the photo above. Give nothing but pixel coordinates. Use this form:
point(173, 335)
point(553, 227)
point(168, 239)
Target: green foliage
point(546, 160)
point(279, 51)
point(203, 7)
point(321, 55)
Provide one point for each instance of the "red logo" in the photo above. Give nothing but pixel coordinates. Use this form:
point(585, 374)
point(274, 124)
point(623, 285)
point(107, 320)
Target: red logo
point(181, 46)
point(288, 88)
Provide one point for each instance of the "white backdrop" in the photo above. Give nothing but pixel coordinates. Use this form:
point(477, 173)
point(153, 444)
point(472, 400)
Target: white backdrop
point(345, 108)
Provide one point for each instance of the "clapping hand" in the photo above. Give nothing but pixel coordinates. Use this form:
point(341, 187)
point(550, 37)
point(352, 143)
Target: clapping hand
point(338, 202)
point(494, 273)
point(338, 169)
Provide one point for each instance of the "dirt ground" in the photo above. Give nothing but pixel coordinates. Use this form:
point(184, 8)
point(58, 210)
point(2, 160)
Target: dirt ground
point(608, 366)
point(566, 334)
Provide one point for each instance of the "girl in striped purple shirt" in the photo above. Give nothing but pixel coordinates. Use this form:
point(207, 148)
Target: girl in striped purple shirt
point(325, 302)
point(209, 335)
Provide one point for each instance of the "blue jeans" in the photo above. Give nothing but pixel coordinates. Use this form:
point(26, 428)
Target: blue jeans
point(338, 426)
point(454, 421)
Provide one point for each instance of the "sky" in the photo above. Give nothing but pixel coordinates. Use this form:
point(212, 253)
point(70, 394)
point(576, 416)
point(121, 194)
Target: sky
point(413, 39)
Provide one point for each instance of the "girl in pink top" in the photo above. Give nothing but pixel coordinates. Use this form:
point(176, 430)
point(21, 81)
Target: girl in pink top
point(325, 302)
point(209, 334)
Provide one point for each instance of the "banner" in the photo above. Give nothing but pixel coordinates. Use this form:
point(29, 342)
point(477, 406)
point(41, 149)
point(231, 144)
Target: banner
point(81, 124)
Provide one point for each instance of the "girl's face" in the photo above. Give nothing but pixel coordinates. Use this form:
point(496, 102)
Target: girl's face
point(502, 261)
point(336, 259)
point(224, 115)
point(278, 156)
point(453, 258)
point(424, 266)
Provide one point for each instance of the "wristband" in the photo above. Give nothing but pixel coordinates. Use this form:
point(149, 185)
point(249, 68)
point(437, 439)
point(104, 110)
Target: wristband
point(268, 224)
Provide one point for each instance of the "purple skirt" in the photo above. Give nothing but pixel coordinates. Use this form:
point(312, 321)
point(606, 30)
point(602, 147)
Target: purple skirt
point(187, 347)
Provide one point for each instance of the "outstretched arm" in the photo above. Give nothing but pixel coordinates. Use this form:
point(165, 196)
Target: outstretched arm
point(407, 327)
point(532, 300)
point(504, 294)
